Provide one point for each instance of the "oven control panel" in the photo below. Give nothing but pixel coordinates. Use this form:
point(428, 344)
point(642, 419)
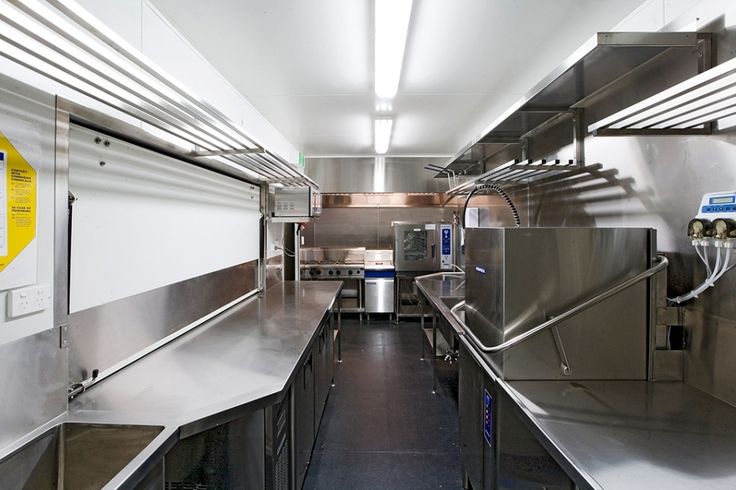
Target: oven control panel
point(446, 245)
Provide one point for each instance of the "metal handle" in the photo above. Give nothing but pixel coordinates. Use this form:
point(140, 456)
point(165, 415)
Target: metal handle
point(433, 247)
point(661, 265)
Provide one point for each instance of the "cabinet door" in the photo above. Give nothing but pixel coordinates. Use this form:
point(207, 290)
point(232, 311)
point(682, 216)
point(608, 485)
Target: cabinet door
point(470, 408)
point(320, 376)
point(303, 388)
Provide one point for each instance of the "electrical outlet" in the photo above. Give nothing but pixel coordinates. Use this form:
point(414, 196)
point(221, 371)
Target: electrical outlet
point(28, 300)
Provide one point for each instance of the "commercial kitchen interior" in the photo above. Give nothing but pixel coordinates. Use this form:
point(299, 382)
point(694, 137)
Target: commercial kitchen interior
point(368, 244)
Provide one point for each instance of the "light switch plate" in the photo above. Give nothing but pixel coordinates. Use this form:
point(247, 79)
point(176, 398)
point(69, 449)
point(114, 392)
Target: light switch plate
point(28, 300)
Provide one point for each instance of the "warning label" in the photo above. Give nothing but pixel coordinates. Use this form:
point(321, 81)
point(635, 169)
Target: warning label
point(18, 194)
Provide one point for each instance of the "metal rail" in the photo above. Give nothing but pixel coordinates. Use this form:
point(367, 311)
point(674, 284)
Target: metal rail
point(683, 108)
point(68, 45)
point(495, 349)
point(516, 172)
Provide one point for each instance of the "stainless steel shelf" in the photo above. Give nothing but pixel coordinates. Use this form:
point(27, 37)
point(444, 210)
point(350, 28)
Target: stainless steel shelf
point(61, 41)
point(518, 172)
point(686, 108)
point(598, 64)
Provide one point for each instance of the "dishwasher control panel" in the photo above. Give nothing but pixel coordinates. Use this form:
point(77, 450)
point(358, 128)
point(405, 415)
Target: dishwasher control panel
point(718, 205)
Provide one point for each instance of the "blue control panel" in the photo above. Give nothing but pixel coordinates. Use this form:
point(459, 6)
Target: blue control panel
point(446, 241)
point(487, 418)
point(446, 246)
point(731, 208)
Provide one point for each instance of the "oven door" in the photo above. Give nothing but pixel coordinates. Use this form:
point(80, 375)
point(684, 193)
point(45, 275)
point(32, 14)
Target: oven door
point(415, 247)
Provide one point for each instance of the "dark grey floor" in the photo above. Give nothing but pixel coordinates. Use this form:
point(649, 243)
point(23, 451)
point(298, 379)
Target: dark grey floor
point(383, 428)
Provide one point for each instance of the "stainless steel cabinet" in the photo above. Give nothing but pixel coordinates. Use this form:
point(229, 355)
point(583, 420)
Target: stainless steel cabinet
point(310, 388)
point(303, 418)
point(497, 449)
point(379, 292)
point(324, 369)
point(471, 407)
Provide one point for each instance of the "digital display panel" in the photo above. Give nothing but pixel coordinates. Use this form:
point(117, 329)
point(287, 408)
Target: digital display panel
point(723, 200)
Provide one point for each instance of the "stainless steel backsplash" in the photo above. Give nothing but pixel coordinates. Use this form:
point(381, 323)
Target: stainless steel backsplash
point(104, 336)
point(33, 383)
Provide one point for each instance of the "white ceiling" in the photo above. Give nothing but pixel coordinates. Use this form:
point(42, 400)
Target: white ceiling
point(307, 65)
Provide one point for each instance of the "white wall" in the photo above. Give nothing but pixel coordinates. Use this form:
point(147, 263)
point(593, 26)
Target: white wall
point(28, 120)
point(144, 220)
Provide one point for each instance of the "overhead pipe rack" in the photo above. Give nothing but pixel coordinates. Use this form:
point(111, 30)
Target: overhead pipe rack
point(605, 60)
point(68, 45)
point(686, 108)
point(521, 172)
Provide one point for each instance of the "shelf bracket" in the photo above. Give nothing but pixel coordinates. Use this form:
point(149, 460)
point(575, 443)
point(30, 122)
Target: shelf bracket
point(578, 135)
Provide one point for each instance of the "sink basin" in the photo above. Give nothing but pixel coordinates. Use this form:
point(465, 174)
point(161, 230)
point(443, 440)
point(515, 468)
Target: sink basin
point(75, 456)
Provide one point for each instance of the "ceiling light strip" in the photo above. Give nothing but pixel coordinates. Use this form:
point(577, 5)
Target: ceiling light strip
point(206, 127)
point(391, 28)
point(382, 134)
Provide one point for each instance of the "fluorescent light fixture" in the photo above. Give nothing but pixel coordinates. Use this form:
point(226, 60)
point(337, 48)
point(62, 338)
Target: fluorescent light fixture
point(382, 134)
point(379, 174)
point(392, 24)
point(384, 105)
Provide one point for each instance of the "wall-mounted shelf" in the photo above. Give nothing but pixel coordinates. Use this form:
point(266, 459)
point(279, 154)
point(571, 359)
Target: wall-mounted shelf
point(598, 64)
point(686, 108)
point(521, 172)
point(65, 44)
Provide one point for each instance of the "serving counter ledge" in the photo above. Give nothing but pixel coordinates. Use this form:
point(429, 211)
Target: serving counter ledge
point(239, 361)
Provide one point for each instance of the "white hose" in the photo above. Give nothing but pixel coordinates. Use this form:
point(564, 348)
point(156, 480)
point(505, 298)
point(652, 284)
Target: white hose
point(710, 280)
point(704, 257)
point(725, 267)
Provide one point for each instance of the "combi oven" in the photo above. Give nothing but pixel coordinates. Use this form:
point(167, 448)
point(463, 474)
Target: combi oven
point(423, 246)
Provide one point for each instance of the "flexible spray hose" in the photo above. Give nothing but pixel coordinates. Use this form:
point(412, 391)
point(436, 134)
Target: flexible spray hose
point(500, 192)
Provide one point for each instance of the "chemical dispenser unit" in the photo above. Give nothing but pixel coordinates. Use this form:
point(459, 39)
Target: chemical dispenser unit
point(713, 226)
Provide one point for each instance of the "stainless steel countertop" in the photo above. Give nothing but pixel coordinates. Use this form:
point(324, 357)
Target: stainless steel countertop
point(619, 434)
point(440, 285)
point(635, 434)
point(240, 360)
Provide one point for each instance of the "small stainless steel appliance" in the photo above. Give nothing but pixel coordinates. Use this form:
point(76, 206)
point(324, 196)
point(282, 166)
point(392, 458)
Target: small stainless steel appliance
point(420, 247)
point(379, 281)
point(296, 204)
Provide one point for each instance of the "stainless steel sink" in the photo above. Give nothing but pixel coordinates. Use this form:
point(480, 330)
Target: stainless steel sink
point(451, 301)
point(75, 456)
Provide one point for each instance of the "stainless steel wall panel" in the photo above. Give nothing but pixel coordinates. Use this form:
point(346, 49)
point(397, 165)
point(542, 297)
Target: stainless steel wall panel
point(274, 270)
point(33, 384)
point(401, 174)
point(368, 227)
point(710, 363)
point(104, 336)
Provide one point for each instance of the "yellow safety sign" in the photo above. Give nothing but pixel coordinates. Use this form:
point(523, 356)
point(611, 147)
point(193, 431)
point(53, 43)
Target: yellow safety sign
point(18, 193)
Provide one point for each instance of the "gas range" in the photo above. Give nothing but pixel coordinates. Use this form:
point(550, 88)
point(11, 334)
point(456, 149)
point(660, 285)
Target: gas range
point(332, 271)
